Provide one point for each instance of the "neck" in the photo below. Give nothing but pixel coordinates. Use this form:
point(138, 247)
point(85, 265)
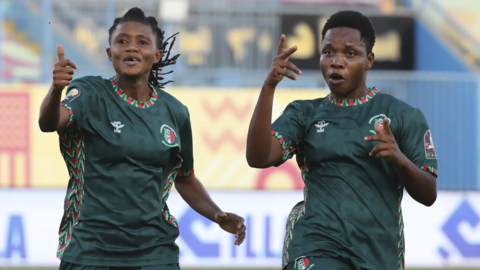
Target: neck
point(357, 93)
point(135, 87)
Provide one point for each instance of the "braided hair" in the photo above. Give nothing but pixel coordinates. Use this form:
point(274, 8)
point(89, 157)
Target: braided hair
point(136, 15)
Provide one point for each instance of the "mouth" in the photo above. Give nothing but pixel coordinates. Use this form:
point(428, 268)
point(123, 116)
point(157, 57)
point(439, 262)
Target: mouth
point(131, 61)
point(336, 78)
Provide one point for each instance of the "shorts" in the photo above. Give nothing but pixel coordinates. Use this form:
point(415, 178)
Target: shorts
point(319, 263)
point(72, 266)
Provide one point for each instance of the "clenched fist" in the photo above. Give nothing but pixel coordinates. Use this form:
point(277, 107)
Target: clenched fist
point(63, 71)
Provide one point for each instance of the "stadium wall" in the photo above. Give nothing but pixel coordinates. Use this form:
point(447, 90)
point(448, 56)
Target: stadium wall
point(444, 235)
point(220, 118)
point(431, 54)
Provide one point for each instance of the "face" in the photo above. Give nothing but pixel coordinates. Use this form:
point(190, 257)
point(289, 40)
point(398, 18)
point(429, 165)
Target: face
point(344, 62)
point(133, 49)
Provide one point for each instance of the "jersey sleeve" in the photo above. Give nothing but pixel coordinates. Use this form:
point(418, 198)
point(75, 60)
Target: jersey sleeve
point(186, 150)
point(75, 101)
point(289, 130)
point(416, 142)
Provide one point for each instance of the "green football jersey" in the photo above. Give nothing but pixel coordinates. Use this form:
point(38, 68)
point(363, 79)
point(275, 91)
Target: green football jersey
point(122, 157)
point(352, 202)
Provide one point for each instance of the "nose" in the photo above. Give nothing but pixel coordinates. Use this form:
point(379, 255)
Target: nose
point(132, 47)
point(338, 61)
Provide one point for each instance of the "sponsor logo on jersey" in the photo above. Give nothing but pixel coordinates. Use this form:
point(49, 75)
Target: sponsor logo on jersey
point(429, 147)
point(321, 126)
point(71, 95)
point(169, 135)
point(378, 119)
point(303, 264)
point(117, 125)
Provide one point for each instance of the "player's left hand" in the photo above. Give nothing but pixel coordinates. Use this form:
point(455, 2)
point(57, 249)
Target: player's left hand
point(232, 224)
point(388, 147)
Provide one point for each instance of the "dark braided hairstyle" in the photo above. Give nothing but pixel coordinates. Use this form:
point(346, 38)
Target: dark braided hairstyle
point(136, 15)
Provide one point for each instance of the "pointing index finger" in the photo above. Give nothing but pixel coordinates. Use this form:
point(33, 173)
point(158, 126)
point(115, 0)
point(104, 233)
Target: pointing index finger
point(281, 46)
point(386, 127)
point(60, 52)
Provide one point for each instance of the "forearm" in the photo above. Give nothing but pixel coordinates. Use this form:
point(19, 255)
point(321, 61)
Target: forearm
point(50, 111)
point(420, 184)
point(195, 195)
point(259, 132)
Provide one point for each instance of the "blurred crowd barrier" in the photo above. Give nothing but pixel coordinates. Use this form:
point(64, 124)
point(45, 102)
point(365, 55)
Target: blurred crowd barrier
point(220, 117)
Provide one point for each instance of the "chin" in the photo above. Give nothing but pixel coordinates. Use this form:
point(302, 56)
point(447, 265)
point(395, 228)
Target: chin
point(131, 73)
point(337, 89)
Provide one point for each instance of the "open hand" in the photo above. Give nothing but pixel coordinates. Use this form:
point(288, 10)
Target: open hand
point(280, 64)
point(388, 147)
point(232, 224)
point(63, 71)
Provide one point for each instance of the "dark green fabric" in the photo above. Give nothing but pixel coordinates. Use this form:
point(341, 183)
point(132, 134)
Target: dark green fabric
point(130, 166)
point(319, 263)
point(71, 266)
point(352, 201)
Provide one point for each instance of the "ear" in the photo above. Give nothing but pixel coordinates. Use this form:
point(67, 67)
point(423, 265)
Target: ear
point(158, 55)
point(109, 54)
point(370, 58)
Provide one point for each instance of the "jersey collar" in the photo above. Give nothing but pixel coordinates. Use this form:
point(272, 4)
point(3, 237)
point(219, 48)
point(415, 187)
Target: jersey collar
point(353, 102)
point(132, 101)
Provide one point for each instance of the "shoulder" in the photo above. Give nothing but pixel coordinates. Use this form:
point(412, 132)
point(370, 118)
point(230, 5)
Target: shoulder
point(89, 81)
point(406, 114)
point(173, 102)
point(87, 85)
point(395, 105)
point(392, 102)
point(306, 107)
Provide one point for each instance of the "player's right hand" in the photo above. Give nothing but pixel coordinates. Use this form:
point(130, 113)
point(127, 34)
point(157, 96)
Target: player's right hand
point(63, 71)
point(280, 64)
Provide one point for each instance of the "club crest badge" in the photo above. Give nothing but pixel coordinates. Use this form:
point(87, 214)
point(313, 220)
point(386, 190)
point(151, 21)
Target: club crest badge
point(169, 136)
point(378, 119)
point(430, 152)
point(303, 264)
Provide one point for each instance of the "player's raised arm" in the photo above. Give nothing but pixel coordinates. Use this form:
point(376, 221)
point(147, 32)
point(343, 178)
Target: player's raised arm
point(263, 149)
point(53, 116)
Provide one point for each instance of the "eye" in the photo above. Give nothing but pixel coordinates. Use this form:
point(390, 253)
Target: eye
point(143, 42)
point(328, 52)
point(121, 41)
point(351, 53)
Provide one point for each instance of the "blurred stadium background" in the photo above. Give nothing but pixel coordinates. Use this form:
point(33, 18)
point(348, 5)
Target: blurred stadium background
point(427, 53)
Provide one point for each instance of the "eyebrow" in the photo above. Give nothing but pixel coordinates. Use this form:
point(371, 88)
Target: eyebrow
point(347, 46)
point(140, 36)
